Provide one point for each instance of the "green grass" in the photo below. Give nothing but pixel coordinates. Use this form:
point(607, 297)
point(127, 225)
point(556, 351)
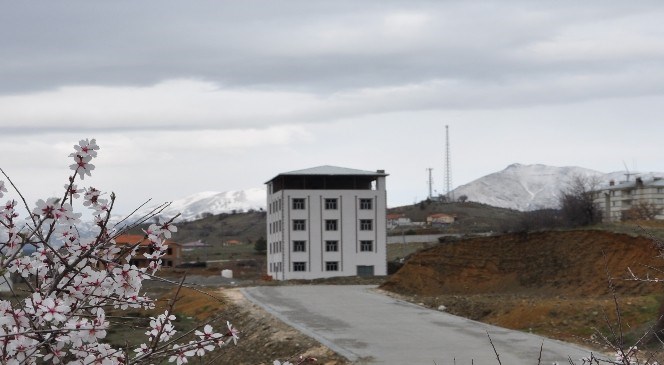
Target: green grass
point(219, 252)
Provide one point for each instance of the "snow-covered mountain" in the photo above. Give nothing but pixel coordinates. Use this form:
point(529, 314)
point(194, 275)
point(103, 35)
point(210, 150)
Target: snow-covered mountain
point(194, 206)
point(520, 187)
point(530, 187)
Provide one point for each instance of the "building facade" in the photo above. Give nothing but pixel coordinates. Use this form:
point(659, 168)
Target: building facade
point(438, 219)
point(326, 221)
point(618, 199)
point(172, 258)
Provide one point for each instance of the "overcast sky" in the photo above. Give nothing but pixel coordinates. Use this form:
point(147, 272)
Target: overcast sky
point(191, 96)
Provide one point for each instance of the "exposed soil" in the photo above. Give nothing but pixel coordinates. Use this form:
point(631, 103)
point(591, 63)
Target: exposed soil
point(552, 283)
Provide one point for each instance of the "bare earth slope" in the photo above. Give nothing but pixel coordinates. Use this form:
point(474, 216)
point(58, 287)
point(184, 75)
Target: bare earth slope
point(553, 283)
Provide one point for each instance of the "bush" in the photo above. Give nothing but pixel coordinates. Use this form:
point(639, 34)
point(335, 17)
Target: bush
point(260, 245)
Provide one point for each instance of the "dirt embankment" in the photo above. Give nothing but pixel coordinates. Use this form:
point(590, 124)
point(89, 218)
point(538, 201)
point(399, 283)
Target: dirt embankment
point(552, 283)
point(553, 263)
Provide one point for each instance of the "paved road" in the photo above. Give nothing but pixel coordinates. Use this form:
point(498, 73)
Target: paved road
point(370, 328)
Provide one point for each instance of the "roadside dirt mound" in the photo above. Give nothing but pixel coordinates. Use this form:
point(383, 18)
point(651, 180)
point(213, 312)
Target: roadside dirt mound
point(568, 263)
point(551, 283)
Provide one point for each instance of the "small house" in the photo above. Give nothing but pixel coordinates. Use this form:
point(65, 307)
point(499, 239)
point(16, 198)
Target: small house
point(395, 220)
point(439, 219)
point(172, 258)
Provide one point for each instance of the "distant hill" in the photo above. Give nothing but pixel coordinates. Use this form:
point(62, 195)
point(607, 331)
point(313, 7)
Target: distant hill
point(471, 216)
point(249, 226)
point(531, 187)
point(217, 229)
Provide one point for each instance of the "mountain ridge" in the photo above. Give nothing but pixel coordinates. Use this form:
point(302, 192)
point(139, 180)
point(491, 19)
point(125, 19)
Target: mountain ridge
point(531, 187)
point(522, 187)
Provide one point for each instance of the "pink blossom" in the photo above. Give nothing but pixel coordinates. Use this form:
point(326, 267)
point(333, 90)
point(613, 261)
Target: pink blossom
point(2, 188)
point(82, 166)
point(85, 148)
point(168, 228)
point(232, 332)
point(53, 310)
point(73, 191)
point(8, 213)
point(66, 213)
point(198, 348)
point(179, 357)
point(161, 326)
point(46, 209)
point(91, 196)
point(207, 334)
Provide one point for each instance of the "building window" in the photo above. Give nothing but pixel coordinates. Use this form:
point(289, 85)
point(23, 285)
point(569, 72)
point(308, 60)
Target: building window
point(366, 224)
point(330, 224)
point(331, 265)
point(298, 203)
point(331, 204)
point(299, 225)
point(299, 246)
point(366, 204)
point(366, 246)
point(331, 246)
point(299, 266)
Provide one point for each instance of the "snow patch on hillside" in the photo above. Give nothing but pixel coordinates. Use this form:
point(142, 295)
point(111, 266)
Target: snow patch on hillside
point(194, 206)
point(531, 187)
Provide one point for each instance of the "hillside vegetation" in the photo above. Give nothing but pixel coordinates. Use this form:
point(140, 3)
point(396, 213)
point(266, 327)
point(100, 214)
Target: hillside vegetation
point(470, 217)
point(248, 227)
point(220, 228)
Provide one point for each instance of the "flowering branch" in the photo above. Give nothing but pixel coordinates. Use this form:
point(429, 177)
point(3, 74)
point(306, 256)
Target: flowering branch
point(71, 280)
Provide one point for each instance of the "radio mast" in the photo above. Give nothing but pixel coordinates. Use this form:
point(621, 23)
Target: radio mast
point(448, 166)
point(430, 182)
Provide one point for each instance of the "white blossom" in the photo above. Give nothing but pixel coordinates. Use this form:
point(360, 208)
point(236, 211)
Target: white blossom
point(73, 280)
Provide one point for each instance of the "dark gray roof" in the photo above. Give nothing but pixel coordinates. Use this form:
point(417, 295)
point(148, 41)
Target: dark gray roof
point(333, 170)
point(327, 170)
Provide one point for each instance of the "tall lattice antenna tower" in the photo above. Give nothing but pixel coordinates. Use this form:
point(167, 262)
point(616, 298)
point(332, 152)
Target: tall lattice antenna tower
point(430, 182)
point(448, 166)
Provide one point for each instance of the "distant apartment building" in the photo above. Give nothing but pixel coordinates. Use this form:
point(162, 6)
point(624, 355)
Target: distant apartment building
point(617, 199)
point(326, 221)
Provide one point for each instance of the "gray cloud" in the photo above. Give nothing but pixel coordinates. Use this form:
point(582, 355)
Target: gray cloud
point(322, 47)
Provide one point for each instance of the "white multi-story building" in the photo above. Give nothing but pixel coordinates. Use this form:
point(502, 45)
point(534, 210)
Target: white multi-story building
point(616, 199)
point(326, 221)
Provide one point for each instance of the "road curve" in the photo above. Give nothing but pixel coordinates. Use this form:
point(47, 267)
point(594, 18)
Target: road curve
point(371, 328)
